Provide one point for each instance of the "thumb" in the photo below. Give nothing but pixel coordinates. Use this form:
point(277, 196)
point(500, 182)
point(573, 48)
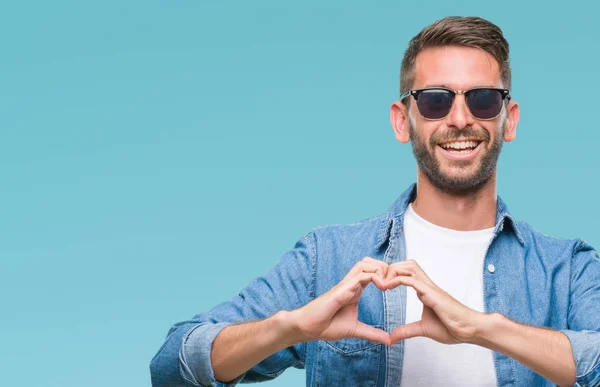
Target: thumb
point(367, 332)
point(407, 331)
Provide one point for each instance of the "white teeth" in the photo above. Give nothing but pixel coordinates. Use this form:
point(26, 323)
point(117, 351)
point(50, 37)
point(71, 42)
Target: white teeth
point(461, 151)
point(460, 144)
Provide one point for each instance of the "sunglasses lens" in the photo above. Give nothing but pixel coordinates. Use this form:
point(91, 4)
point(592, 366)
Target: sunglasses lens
point(484, 103)
point(435, 104)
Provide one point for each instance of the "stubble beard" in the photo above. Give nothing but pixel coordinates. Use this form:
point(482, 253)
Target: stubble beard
point(458, 185)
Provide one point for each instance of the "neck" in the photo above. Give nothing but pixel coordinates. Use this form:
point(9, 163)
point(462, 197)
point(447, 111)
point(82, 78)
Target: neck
point(462, 212)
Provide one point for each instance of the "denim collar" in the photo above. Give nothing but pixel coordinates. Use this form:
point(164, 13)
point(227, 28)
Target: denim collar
point(393, 220)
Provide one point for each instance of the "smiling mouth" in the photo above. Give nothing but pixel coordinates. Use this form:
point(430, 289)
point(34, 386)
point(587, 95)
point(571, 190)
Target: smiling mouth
point(460, 147)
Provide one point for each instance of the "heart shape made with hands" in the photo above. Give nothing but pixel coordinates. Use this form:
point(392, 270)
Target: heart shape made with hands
point(444, 319)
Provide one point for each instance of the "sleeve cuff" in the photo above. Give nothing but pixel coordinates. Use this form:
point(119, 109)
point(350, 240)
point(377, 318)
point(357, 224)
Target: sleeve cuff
point(586, 353)
point(194, 356)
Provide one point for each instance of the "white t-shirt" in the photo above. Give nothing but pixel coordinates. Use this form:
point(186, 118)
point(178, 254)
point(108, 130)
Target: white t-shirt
point(454, 261)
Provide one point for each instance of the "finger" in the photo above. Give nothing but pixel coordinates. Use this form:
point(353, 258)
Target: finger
point(367, 332)
point(394, 271)
point(345, 291)
point(360, 279)
point(363, 280)
point(429, 295)
point(412, 267)
point(421, 287)
point(369, 265)
point(402, 279)
point(406, 280)
point(366, 278)
point(406, 331)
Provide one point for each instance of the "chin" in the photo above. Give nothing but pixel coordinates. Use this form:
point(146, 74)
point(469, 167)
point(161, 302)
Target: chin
point(462, 172)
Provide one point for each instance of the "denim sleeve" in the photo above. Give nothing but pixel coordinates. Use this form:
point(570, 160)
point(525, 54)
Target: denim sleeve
point(184, 358)
point(584, 314)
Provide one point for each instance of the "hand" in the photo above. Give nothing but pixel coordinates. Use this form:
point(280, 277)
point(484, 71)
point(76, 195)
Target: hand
point(444, 319)
point(334, 314)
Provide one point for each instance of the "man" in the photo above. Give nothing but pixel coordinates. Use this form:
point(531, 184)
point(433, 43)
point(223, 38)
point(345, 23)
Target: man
point(463, 294)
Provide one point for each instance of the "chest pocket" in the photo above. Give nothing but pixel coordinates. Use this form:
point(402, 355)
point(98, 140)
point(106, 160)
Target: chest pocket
point(348, 362)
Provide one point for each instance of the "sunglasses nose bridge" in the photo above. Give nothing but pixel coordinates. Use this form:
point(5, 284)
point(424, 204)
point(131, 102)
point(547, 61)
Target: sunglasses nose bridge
point(459, 115)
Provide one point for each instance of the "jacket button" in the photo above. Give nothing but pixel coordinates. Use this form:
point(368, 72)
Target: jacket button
point(491, 268)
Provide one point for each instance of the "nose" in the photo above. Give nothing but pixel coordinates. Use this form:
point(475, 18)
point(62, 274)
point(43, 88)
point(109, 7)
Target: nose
point(460, 116)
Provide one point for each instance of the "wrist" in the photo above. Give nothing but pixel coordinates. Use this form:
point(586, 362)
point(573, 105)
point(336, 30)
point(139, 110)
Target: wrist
point(286, 323)
point(488, 325)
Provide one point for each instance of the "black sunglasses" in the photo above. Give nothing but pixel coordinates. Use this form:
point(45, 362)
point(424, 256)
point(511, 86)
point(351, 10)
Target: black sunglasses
point(435, 103)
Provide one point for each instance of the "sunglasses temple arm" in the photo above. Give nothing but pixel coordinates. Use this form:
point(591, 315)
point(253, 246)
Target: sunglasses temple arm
point(404, 95)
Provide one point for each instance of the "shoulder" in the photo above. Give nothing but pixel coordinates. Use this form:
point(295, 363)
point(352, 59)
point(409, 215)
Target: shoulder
point(536, 240)
point(358, 235)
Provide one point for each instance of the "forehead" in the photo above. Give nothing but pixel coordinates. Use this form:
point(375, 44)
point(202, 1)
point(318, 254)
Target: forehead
point(456, 67)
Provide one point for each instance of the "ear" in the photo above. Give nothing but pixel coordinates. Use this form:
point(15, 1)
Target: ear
point(512, 119)
point(399, 121)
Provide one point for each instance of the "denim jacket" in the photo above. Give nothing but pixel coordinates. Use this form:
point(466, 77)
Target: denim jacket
point(528, 277)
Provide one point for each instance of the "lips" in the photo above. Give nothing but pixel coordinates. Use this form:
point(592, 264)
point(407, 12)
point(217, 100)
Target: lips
point(460, 146)
point(461, 150)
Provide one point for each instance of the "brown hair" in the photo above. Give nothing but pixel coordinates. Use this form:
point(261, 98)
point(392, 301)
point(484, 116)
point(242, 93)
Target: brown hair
point(457, 31)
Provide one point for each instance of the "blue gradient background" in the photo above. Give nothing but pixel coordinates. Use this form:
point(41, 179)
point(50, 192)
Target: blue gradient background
point(156, 156)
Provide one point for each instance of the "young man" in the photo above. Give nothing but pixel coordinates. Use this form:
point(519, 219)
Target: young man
point(463, 295)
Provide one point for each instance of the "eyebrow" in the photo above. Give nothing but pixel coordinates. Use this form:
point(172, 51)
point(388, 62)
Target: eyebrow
point(448, 87)
point(427, 86)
